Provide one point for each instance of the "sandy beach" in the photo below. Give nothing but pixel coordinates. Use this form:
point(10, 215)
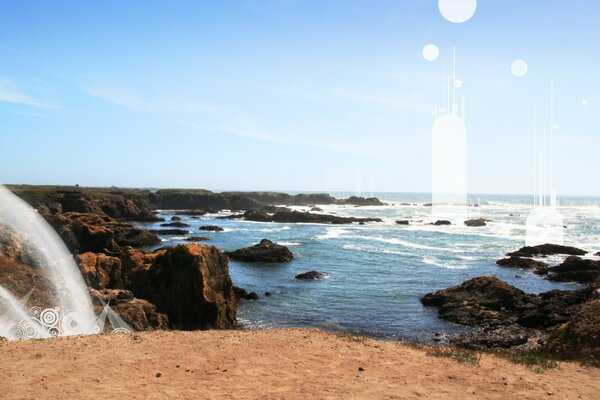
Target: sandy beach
point(272, 364)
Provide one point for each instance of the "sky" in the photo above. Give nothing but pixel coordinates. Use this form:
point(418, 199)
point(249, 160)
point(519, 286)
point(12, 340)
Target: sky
point(292, 95)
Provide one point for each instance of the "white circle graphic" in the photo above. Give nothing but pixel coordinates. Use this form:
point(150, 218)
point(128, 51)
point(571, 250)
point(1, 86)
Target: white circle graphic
point(457, 11)
point(431, 52)
point(519, 68)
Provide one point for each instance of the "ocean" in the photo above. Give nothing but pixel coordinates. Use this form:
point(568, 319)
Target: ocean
point(377, 272)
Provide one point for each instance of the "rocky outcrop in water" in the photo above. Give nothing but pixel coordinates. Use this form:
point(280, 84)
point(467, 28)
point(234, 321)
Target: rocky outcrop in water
point(523, 263)
point(503, 315)
point(212, 228)
point(241, 293)
point(265, 251)
point(293, 216)
point(546, 250)
point(477, 222)
point(362, 201)
point(171, 232)
point(310, 275)
point(576, 269)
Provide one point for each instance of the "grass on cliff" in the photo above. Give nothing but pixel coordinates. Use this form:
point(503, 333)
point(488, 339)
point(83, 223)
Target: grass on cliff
point(460, 355)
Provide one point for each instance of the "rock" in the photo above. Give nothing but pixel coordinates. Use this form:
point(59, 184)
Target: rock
point(140, 314)
point(146, 216)
point(212, 228)
point(481, 301)
point(580, 336)
point(476, 222)
point(402, 222)
point(428, 205)
point(100, 271)
point(196, 239)
point(504, 315)
point(265, 251)
point(189, 212)
point(243, 294)
point(498, 337)
point(298, 216)
point(267, 294)
point(189, 283)
point(170, 231)
point(361, 201)
point(520, 262)
point(175, 218)
point(315, 208)
point(547, 249)
point(88, 232)
point(576, 269)
point(310, 275)
point(177, 224)
point(442, 222)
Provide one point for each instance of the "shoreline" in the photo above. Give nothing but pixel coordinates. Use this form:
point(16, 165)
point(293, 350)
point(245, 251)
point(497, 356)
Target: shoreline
point(291, 363)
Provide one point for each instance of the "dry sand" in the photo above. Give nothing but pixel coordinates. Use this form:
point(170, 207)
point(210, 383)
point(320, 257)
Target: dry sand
point(267, 364)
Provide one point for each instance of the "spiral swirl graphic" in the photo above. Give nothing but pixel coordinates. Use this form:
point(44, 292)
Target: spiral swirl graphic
point(54, 331)
point(17, 331)
point(49, 317)
point(35, 311)
point(120, 331)
point(68, 323)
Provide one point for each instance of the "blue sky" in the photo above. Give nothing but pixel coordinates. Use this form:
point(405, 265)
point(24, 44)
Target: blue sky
point(289, 94)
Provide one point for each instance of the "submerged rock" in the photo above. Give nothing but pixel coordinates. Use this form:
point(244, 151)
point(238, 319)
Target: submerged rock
point(402, 222)
point(476, 222)
point(265, 251)
point(212, 228)
point(310, 275)
point(442, 222)
point(190, 212)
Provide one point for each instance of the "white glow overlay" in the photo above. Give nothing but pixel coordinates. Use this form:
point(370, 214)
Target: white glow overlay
point(584, 102)
point(457, 11)
point(519, 68)
point(431, 52)
point(458, 83)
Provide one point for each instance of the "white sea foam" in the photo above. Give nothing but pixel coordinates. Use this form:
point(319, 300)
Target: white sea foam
point(289, 243)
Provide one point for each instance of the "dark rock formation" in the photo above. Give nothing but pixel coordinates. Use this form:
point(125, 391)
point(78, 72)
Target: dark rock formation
point(196, 239)
point(310, 275)
point(402, 222)
point(175, 218)
point(176, 224)
point(212, 228)
point(170, 231)
point(476, 222)
point(196, 213)
point(503, 314)
point(520, 262)
point(243, 294)
point(442, 222)
point(580, 337)
point(292, 216)
point(315, 208)
point(547, 249)
point(361, 201)
point(576, 269)
point(265, 251)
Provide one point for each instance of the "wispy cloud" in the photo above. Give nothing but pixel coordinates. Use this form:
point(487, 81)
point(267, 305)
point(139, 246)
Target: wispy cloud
point(131, 98)
point(10, 93)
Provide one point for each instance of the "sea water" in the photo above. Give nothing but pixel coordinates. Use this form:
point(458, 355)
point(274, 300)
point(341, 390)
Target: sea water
point(376, 273)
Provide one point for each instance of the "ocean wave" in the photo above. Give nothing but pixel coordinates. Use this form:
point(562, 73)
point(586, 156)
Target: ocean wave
point(289, 243)
point(429, 260)
point(333, 233)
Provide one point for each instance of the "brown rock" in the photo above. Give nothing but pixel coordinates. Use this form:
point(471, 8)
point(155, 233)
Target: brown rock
point(265, 251)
